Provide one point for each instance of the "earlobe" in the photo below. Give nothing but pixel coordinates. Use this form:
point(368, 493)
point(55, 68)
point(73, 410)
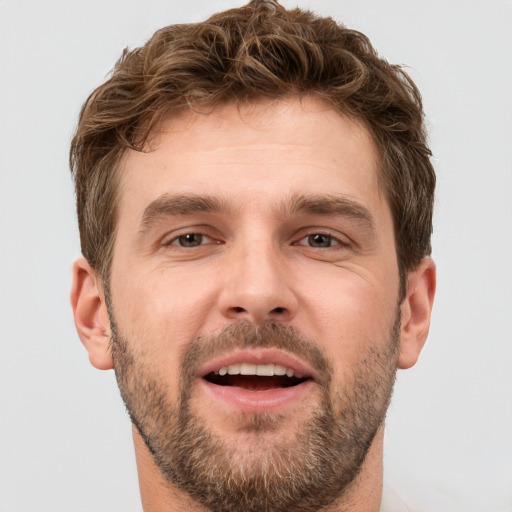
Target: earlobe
point(416, 310)
point(90, 314)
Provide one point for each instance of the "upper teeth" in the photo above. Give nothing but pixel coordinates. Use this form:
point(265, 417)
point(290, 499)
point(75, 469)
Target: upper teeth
point(267, 370)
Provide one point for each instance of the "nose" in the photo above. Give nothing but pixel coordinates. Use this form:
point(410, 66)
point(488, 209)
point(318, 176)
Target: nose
point(257, 285)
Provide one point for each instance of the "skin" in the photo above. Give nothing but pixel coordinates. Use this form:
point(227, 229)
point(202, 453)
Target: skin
point(256, 262)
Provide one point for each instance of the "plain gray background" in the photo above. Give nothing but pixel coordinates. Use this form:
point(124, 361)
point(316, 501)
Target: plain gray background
point(65, 441)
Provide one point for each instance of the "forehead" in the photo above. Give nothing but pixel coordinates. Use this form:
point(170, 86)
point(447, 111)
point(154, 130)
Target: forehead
point(256, 151)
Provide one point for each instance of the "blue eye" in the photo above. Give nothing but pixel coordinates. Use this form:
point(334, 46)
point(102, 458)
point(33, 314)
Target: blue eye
point(320, 240)
point(189, 240)
point(323, 241)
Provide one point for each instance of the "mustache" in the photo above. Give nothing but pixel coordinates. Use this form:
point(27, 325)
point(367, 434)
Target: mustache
point(244, 335)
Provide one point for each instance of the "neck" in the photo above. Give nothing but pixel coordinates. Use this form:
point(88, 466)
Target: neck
point(364, 494)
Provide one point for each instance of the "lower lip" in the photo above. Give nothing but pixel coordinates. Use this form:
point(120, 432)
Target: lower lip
point(268, 400)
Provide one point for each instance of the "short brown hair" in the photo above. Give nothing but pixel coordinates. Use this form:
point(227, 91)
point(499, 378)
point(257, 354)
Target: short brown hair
point(257, 51)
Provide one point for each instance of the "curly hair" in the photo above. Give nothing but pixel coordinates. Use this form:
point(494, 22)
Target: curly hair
point(261, 50)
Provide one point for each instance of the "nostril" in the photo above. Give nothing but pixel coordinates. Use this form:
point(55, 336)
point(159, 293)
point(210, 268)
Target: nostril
point(258, 314)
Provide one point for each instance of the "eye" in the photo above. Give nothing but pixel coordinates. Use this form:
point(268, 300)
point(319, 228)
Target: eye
point(191, 240)
point(319, 241)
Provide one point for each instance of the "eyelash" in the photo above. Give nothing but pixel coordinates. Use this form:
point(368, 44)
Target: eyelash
point(176, 240)
point(332, 240)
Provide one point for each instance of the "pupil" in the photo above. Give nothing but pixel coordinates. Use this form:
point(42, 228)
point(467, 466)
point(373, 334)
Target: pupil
point(320, 240)
point(190, 240)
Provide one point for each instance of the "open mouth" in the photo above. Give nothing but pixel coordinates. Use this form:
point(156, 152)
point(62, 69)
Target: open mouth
point(253, 377)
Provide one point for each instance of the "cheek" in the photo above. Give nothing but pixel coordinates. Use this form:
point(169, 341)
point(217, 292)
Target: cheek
point(155, 320)
point(349, 313)
point(162, 309)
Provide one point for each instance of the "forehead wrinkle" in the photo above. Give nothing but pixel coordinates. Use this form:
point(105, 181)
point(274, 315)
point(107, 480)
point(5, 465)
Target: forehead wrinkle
point(168, 205)
point(333, 205)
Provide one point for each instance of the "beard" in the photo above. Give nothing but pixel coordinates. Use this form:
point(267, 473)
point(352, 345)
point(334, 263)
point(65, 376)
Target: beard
point(306, 470)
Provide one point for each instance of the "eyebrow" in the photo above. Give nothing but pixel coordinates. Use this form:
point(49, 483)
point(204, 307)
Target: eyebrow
point(167, 205)
point(334, 206)
point(322, 205)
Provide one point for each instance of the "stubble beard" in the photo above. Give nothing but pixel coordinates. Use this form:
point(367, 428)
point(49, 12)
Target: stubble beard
point(308, 470)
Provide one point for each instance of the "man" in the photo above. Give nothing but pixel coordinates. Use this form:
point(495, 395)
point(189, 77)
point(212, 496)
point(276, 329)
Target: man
point(255, 199)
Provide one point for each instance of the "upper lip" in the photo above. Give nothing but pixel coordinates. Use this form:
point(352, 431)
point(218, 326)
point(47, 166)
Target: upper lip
point(258, 356)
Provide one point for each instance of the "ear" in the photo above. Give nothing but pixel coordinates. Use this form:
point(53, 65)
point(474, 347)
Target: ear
point(416, 309)
point(90, 314)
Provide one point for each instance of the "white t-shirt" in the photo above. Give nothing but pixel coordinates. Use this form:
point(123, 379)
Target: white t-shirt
point(391, 502)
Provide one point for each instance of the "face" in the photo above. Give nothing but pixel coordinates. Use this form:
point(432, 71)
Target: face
point(253, 302)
